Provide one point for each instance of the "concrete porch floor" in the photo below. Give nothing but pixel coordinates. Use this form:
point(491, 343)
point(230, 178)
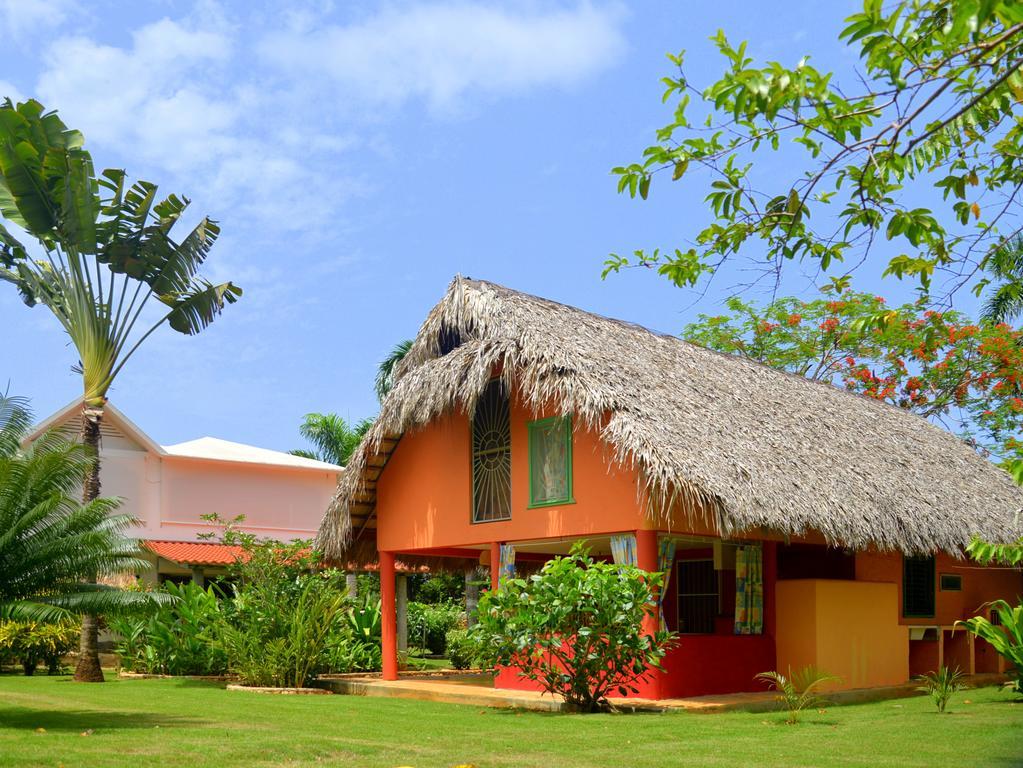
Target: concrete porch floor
point(478, 691)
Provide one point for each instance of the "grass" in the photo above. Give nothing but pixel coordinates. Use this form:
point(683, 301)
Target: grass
point(54, 721)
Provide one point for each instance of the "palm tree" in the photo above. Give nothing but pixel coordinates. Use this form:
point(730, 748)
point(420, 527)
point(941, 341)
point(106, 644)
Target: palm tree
point(1005, 264)
point(386, 371)
point(334, 438)
point(107, 250)
point(51, 544)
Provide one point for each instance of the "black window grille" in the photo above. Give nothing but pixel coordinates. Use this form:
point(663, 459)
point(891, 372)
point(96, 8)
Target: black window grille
point(918, 586)
point(697, 596)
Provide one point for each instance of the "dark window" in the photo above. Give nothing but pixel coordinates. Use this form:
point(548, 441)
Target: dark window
point(697, 596)
point(951, 582)
point(814, 561)
point(918, 586)
point(491, 456)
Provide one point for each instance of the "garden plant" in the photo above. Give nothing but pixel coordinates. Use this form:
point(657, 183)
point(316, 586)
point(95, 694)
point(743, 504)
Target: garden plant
point(941, 685)
point(575, 628)
point(798, 690)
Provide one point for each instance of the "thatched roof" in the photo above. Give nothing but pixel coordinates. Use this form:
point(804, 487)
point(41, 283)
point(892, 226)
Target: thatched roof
point(749, 447)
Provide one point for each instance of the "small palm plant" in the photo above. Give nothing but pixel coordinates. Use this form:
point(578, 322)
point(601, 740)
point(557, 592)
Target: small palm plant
point(942, 685)
point(798, 690)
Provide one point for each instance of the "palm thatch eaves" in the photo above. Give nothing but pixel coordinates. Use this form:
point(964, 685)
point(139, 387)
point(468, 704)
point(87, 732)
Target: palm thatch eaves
point(746, 446)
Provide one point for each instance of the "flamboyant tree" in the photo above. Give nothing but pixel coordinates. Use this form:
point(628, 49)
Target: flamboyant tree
point(963, 375)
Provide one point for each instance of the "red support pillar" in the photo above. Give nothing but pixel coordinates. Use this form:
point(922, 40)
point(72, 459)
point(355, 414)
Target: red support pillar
point(388, 617)
point(495, 565)
point(646, 559)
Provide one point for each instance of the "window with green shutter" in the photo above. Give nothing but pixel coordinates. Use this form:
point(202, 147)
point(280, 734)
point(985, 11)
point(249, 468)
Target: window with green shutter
point(550, 461)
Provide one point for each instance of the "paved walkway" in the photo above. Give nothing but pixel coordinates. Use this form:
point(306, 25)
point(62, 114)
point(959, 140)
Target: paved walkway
point(481, 695)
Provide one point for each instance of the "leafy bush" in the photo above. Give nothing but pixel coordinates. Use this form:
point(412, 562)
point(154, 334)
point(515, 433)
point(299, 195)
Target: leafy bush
point(1006, 637)
point(30, 643)
point(428, 625)
point(463, 649)
point(179, 638)
point(282, 644)
point(575, 628)
point(941, 685)
point(354, 646)
point(798, 690)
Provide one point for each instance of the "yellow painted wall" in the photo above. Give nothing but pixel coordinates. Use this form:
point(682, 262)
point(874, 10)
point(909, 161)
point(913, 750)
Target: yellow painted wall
point(846, 628)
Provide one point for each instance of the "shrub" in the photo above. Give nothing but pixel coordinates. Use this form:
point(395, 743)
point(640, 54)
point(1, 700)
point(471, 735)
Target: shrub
point(354, 644)
point(282, 644)
point(178, 638)
point(798, 690)
point(428, 625)
point(462, 649)
point(941, 685)
point(1006, 637)
point(30, 643)
point(574, 628)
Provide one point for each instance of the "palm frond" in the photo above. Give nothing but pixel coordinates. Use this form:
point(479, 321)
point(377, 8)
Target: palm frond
point(385, 378)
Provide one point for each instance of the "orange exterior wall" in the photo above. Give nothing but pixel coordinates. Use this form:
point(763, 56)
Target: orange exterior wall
point(424, 495)
point(980, 584)
point(849, 629)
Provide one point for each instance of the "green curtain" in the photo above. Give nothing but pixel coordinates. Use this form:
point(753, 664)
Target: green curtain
point(749, 590)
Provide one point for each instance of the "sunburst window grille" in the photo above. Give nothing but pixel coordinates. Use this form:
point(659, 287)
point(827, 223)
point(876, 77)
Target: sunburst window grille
point(491, 456)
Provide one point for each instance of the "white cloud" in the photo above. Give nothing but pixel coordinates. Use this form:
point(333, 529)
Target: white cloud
point(442, 51)
point(21, 17)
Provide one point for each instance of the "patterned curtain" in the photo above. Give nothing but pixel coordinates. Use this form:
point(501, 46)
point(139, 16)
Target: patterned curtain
point(665, 561)
point(623, 549)
point(507, 565)
point(749, 590)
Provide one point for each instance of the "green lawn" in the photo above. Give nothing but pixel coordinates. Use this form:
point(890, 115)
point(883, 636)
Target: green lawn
point(180, 723)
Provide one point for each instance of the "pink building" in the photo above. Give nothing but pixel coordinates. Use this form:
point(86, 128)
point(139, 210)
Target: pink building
point(168, 488)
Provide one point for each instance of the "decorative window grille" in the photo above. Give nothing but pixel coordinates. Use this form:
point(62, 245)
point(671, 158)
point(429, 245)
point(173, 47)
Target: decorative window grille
point(491, 456)
point(697, 596)
point(550, 461)
point(918, 586)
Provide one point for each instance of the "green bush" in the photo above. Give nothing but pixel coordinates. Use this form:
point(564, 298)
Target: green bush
point(575, 628)
point(354, 645)
point(29, 643)
point(463, 649)
point(178, 638)
point(282, 644)
point(428, 624)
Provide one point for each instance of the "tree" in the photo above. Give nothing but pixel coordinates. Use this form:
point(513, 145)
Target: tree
point(334, 438)
point(1005, 300)
point(107, 250)
point(939, 365)
point(388, 366)
point(921, 150)
point(575, 628)
point(51, 544)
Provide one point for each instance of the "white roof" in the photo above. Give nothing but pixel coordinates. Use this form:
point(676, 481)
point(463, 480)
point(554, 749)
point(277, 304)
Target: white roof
point(224, 450)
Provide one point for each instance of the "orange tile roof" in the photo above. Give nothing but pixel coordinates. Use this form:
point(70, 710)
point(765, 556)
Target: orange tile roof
point(207, 553)
point(196, 552)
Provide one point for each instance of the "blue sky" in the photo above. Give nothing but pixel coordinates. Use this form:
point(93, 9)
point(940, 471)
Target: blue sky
point(358, 155)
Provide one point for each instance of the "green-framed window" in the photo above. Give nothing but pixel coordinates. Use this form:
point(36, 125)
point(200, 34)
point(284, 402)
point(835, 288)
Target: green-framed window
point(550, 461)
point(918, 592)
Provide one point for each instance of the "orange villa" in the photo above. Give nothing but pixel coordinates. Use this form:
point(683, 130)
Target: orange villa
point(795, 523)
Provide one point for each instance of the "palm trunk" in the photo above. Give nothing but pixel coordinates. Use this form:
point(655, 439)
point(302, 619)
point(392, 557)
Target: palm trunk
point(89, 669)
